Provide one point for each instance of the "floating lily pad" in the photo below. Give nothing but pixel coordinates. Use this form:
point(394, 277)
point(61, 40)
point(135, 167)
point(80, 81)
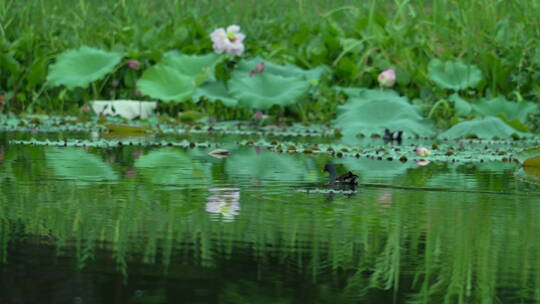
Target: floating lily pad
point(127, 129)
point(374, 110)
point(214, 91)
point(265, 89)
point(454, 75)
point(167, 84)
point(529, 157)
point(488, 127)
point(124, 108)
point(76, 164)
point(172, 167)
point(78, 68)
point(529, 174)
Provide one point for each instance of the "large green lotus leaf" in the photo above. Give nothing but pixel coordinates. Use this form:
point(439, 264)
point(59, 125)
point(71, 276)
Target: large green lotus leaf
point(172, 167)
point(374, 110)
point(454, 75)
point(78, 68)
point(166, 83)
point(266, 165)
point(246, 66)
point(265, 89)
point(461, 106)
point(198, 67)
point(214, 91)
point(488, 127)
point(501, 107)
point(76, 164)
point(529, 157)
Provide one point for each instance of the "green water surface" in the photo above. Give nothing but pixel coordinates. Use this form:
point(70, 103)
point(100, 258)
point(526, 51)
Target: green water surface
point(171, 225)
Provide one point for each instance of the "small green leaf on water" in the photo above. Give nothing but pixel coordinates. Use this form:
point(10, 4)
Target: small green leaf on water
point(124, 128)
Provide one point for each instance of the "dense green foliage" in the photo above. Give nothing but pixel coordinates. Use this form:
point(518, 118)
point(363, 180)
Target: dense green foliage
point(356, 41)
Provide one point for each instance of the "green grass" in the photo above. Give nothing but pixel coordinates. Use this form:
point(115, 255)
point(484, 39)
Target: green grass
point(497, 36)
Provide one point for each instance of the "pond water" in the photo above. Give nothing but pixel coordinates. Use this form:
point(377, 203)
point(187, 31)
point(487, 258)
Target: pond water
point(173, 225)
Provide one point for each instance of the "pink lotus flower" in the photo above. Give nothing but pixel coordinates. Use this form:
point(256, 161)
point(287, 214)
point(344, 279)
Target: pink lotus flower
point(387, 78)
point(133, 64)
point(421, 151)
point(228, 41)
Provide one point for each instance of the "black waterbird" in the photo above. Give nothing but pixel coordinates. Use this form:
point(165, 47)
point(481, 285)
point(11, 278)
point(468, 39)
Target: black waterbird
point(392, 136)
point(347, 179)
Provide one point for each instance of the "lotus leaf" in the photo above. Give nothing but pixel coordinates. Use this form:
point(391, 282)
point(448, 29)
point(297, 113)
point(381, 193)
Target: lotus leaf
point(488, 127)
point(529, 157)
point(214, 91)
point(78, 68)
point(125, 108)
point(198, 67)
point(246, 66)
point(166, 83)
point(172, 167)
point(503, 108)
point(266, 165)
point(374, 110)
point(266, 89)
point(454, 75)
point(529, 174)
point(78, 165)
point(461, 106)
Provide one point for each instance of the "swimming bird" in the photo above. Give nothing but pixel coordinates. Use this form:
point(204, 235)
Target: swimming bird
point(348, 178)
point(395, 136)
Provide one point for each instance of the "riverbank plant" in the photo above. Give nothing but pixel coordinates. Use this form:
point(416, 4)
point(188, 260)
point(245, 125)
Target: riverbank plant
point(450, 59)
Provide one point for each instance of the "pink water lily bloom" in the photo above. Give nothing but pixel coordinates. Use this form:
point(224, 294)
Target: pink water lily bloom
point(229, 41)
point(421, 151)
point(387, 78)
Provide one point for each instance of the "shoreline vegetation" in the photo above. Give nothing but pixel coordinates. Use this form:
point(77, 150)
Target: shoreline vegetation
point(354, 41)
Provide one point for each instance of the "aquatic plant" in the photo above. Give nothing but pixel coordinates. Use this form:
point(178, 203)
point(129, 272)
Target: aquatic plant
point(370, 112)
point(454, 75)
point(80, 67)
point(387, 78)
point(488, 128)
point(275, 85)
point(176, 77)
point(229, 41)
